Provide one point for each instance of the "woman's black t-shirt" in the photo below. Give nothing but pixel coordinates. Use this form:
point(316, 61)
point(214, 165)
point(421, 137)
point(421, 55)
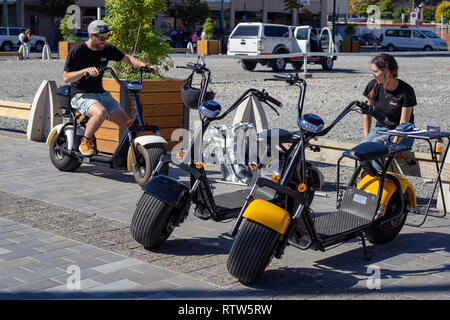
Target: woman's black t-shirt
point(81, 57)
point(391, 103)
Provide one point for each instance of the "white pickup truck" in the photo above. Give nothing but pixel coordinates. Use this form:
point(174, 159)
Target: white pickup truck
point(263, 39)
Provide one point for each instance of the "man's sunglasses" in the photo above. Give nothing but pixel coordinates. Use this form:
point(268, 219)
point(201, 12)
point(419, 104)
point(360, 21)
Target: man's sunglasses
point(101, 38)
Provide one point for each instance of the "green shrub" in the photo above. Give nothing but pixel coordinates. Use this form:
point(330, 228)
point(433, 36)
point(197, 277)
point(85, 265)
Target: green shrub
point(443, 10)
point(132, 32)
point(66, 32)
point(208, 28)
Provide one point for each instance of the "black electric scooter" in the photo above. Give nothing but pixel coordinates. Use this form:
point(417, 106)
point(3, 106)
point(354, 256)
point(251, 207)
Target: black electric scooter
point(137, 154)
point(375, 207)
point(165, 202)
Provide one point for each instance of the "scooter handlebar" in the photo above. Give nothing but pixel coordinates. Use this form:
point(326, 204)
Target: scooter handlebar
point(273, 100)
point(370, 110)
point(288, 78)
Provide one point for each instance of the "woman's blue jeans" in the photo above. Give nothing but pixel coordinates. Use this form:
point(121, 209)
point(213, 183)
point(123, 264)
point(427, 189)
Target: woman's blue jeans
point(373, 136)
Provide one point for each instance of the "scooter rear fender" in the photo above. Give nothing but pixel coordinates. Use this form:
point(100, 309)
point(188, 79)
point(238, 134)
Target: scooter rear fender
point(69, 133)
point(269, 215)
point(371, 185)
point(143, 141)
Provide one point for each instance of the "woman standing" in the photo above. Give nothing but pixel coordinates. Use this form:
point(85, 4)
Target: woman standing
point(26, 44)
point(389, 95)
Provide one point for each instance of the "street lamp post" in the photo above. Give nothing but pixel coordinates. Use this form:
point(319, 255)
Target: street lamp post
point(5, 13)
point(334, 19)
point(431, 5)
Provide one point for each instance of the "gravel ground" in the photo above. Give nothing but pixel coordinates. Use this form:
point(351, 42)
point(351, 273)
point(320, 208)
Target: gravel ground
point(327, 92)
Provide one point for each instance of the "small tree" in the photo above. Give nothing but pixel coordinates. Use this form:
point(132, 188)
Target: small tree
point(350, 31)
point(66, 32)
point(132, 32)
point(443, 10)
point(208, 28)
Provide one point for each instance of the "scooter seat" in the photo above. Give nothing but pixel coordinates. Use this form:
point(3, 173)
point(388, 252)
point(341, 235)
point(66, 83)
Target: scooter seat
point(284, 136)
point(367, 151)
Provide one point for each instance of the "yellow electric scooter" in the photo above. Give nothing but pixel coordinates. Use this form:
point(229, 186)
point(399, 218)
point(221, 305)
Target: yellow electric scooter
point(373, 207)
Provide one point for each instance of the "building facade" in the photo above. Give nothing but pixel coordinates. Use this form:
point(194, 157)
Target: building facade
point(315, 13)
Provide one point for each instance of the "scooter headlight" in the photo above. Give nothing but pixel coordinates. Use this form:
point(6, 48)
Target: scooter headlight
point(311, 123)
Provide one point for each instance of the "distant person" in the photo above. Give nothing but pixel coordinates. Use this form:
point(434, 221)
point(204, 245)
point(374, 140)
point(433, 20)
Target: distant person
point(194, 41)
point(203, 36)
point(24, 39)
point(27, 43)
point(391, 96)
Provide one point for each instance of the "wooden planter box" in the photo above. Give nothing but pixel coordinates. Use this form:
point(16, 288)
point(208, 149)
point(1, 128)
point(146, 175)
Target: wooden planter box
point(162, 106)
point(64, 48)
point(208, 47)
point(350, 46)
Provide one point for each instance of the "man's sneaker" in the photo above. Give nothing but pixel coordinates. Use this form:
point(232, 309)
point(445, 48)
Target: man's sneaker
point(87, 147)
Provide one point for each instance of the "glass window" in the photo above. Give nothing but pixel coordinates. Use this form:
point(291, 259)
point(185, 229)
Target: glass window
point(302, 34)
point(2, 31)
point(246, 32)
point(404, 33)
point(275, 31)
point(418, 34)
point(430, 34)
point(14, 31)
point(392, 33)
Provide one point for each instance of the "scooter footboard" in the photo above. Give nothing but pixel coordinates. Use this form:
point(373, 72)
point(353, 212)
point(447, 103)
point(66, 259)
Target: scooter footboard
point(269, 215)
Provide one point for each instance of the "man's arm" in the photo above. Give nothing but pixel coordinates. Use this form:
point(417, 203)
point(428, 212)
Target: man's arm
point(72, 76)
point(136, 63)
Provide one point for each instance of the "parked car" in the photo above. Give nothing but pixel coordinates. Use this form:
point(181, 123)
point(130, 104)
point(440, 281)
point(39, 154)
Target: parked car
point(10, 35)
point(368, 39)
point(264, 39)
point(411, 39)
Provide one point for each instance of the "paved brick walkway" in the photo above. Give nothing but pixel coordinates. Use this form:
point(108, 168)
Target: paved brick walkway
point(52, 223)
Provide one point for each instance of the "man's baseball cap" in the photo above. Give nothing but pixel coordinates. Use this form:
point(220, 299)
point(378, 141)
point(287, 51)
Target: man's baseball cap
point(98, 26)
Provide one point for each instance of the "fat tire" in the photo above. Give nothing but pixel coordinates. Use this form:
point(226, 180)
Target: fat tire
point(249, 65)
point(379, 234)
point(150, 222)
point(61, 161)
point(148, 159)
point(252, 251)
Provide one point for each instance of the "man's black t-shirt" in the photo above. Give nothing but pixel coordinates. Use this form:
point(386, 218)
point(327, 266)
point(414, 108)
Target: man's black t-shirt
point(391, 103)
point(81, 57)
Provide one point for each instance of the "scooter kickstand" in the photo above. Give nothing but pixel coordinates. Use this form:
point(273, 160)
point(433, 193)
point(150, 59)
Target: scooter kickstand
point(367, 255)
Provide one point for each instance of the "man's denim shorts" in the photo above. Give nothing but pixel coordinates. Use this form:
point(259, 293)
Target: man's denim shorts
point(82, 101)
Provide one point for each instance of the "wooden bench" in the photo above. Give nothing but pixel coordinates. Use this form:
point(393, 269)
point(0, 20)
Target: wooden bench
point(15, 109)
point(185, 50)
point(11, 54)
point(424, 166)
